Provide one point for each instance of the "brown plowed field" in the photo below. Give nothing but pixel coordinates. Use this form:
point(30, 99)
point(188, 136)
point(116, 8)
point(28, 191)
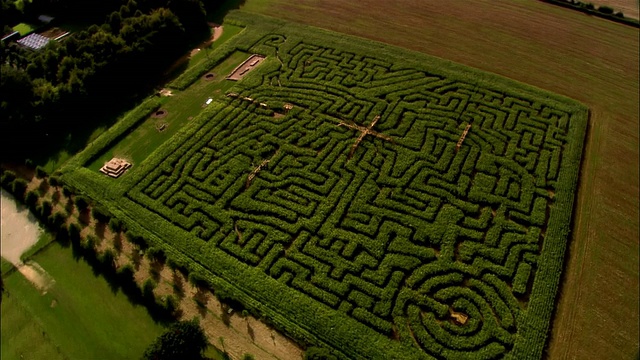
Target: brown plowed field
point(586, 58)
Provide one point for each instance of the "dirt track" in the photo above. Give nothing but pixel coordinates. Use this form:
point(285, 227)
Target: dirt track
point(19, 229)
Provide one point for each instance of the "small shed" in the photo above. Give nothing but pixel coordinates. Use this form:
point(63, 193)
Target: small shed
point(45, 18)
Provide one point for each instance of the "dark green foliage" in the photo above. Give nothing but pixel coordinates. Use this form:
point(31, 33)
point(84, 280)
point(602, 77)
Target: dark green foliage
point(147, 289)
point(318, 353)
point(115, 224)
point(67, 191)
point(170, 304)
point(57, 219)
point(136, 240)
point(54, 181)
point(248, 357)
point(156, 254)
point(41, 173)
point(198, 280)
point(107, 259)
point(46, 93)
point(90, 243)
point(606, 10)
point(74, 232)
point(99, 214)
point(81, 202)
point(31, 199)
point(183, 340)
point(602, 11)
point(19, 187)
point(7, 178)
point(126, 273)
point(45, 209)
point(172, 264)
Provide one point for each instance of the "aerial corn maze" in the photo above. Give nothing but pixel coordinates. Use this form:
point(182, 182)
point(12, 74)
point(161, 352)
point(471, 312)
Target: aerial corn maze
point(365, 198)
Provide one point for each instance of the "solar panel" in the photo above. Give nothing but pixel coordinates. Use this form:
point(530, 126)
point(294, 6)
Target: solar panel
point(34, 41)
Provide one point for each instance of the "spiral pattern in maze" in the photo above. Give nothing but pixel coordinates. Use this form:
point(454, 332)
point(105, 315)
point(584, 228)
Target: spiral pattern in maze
point(402, 236)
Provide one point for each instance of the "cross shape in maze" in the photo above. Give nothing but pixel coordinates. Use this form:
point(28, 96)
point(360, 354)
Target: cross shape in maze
point(404, 236)
point(364, 131)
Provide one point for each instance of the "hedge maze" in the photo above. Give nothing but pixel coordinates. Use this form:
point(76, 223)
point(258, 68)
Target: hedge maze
point(362, 197)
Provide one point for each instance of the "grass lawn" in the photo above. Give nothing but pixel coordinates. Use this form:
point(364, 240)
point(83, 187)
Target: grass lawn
point(5, 266)
point(180, 107)
point(24, 28)
point(80, 317)
point(589, 59)
point(22, 334)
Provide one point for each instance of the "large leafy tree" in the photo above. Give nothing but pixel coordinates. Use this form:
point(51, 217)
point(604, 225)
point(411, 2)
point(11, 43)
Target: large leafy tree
point(183, 340)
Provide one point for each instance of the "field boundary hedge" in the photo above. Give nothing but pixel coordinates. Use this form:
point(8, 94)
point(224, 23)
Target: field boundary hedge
point(582, 7)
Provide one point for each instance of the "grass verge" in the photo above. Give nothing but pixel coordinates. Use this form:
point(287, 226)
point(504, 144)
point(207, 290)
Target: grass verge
point(80, 315)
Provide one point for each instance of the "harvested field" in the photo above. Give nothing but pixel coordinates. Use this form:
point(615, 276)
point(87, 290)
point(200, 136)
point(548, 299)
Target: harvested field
point(586, 58)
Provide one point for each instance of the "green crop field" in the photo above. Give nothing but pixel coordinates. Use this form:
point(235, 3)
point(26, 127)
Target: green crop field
point(332, 190)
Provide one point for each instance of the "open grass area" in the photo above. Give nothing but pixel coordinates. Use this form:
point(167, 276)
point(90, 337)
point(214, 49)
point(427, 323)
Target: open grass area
point(589, 59)
point(181, 108)
point(370, 199)
point(80, 317)
point(22, 336)
point(5, 266)
point(24, 28)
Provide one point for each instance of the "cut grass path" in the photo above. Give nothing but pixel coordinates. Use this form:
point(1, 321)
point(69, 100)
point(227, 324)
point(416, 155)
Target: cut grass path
point(80, 315)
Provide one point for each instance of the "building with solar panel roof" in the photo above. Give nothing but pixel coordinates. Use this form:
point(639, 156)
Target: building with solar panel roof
point(34, 41)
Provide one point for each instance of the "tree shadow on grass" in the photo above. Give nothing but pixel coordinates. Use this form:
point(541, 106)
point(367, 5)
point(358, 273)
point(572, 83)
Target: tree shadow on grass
point(219, 15)
point(44, 187)
point(99, 229)
point(201, 300)
point(84, 216)
point(55, 198)
point(69, 206)
point(120, 281)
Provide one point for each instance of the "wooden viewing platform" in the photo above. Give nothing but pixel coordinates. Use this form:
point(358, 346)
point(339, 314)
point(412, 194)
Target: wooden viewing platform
point(462, 137)
point(115, 167)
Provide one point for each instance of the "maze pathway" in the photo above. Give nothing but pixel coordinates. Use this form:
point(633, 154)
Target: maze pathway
point(357, 198)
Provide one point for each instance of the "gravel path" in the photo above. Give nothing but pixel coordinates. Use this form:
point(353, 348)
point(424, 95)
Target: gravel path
point(19, 229)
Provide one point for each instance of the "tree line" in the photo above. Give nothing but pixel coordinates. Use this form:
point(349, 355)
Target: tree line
point(46, 93)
